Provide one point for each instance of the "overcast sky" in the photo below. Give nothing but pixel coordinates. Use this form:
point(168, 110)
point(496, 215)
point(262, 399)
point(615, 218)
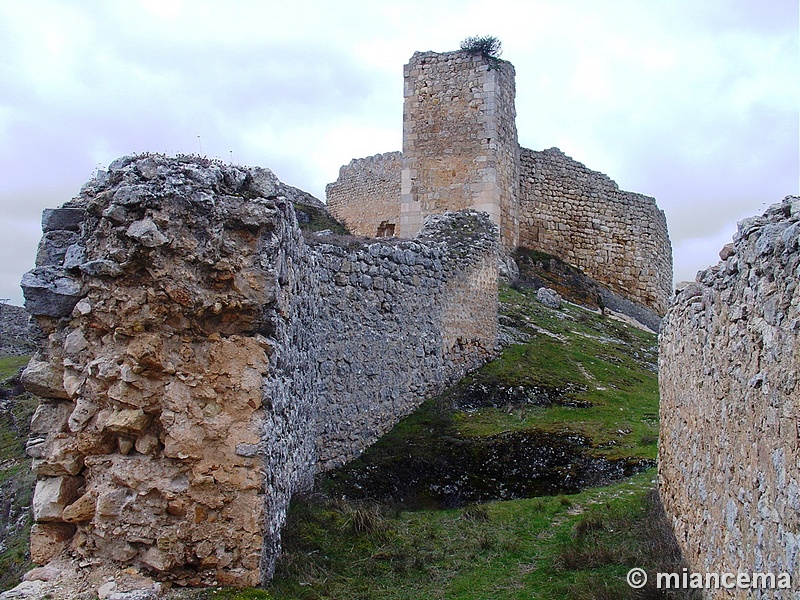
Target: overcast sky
point(694, 102)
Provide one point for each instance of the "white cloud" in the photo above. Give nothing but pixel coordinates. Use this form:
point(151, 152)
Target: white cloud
point(693, 102)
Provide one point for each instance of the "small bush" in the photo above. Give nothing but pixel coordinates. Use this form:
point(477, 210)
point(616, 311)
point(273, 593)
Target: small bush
point(487, 46)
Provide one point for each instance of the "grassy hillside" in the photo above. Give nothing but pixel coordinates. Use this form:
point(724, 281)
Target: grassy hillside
point(16, 481)
point(568, 410)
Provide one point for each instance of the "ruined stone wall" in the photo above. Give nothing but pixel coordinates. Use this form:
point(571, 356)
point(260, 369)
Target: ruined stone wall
point(197, 356)
point(402, 320)
point(619, 238)
point(729, 454)
point(367, 195)
point(169, 313)
point(15, 339)
point(460, 145)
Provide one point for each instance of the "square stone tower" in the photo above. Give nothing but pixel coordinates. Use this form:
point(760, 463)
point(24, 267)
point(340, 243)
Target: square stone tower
point(460, 147)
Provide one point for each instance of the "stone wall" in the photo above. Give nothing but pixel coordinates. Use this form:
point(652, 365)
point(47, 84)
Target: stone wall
point(198, 356)
point(402, 320)
point(729, 454)
point(366, 196)
point(15, 338)
point(619, 238)
point(460, 145)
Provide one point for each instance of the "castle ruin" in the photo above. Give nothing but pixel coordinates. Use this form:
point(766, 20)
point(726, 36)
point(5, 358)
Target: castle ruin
point(729, 458)
point(200, 359)
point(460, 150)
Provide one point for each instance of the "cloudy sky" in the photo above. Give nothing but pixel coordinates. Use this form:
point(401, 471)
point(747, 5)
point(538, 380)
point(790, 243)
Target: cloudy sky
point(693, 102)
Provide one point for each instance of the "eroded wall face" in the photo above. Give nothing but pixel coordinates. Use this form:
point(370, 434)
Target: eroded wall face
point(167, 316)
point(199, 361)
point(366, 196)
point(619, 238)
point(460, 145)
point(729, 454)
point(402, 320)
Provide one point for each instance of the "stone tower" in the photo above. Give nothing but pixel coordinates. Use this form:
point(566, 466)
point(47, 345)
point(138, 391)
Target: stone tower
point(460, 147)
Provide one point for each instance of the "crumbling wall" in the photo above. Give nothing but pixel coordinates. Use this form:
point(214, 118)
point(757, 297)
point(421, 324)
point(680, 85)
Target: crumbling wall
point(619, 238)
point(402, 320)
point(170, 307)
point(366, 196)
point(460, 145)
point(192, 361)
point(729, 458)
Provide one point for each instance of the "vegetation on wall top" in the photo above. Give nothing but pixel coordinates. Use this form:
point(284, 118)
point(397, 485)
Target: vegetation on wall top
point(487, 46)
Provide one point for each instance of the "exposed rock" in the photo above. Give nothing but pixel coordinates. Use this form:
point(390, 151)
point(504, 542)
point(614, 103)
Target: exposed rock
point(548, 297)
point(50, 291)
point(44, 378)
point(48, 540)
point(52, 495)
point(146, 232)
point(55, 219)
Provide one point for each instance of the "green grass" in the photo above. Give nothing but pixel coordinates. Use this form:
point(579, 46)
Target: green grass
point(549, 547)
point(16, 480)
point(9, 365)
point(610, 365)
point(598, 379)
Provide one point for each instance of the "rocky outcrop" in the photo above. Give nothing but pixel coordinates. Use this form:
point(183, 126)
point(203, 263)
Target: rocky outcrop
point(193, 370)
point(729, 453)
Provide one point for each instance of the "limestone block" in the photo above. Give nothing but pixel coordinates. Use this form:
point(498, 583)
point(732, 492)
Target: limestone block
point(50, 291)
point(51, 417)
point(146, 232)
point(81, 510)
point(101, 268)
point(62, 218)
point(48, 540)
point(44, 379)
point(550, 298)
point(130, 421)
point(53, 247)
point(84, 411)
point(52, 495)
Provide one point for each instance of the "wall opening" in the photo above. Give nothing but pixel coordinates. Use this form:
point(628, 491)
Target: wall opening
point(386, 229)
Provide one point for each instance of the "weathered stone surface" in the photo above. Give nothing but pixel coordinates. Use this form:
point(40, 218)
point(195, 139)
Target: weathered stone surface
point(48, 540)
point(52, 495)
point(54, 219)
point(146, 232)
point(366, 196)
point(619, 238)
point(101, 268)
point(548, 297)
point(729, 457)
point(42, 574)
point(44, 378)
point(50, 291)
point(51, 417)
point(53, 247)
point(130, 421)
point(84, 411)
point(229, 361)
point(80, 511)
